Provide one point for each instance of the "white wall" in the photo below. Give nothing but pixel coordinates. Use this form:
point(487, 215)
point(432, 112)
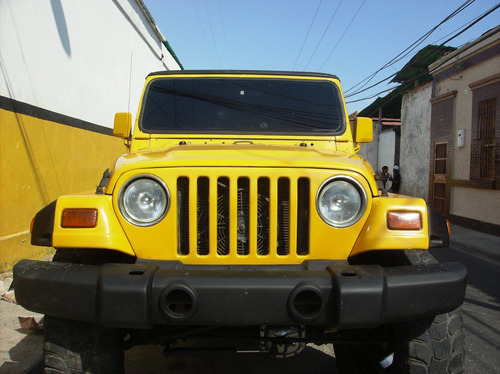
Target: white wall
point(386, 149)
point(84, 59)
point(415, 141)
point(370, 150)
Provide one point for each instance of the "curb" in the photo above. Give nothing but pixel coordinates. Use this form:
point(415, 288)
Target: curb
point(475, 242)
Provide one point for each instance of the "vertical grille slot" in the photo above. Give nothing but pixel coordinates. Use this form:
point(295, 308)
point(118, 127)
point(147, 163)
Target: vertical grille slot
point(243, 226)
point(183, 216)
point(223, 216)
point(202, 216)
point(263, 217)
point(283, 216)
point(303, 193)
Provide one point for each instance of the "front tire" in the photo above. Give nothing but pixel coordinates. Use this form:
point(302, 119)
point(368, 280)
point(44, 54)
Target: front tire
point(72, 347)
point(435, 345)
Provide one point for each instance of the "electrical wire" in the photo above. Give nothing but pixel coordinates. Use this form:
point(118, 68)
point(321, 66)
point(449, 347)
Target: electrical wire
point(414, 45)
point(202, 29)
point(307, 35)
point(462, 29)
point(491, 10)
point(322, 36)
point(409, 49)
point(371, 97)
point(224, 34)
point(212, 32)
point(342, 36)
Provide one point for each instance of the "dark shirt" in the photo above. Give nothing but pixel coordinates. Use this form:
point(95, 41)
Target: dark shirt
point(396, 181)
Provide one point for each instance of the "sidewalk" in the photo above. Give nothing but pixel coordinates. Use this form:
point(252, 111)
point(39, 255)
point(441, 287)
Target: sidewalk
point(21, 349)
point(484, 245)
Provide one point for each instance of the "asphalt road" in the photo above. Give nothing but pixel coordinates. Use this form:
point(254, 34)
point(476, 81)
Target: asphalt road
point(481, 313)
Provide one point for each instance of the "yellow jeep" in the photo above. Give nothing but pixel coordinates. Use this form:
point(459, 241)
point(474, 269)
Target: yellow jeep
point(242, 206)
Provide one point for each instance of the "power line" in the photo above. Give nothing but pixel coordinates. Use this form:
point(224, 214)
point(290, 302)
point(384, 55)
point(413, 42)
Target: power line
point(371, 97)
point(415, 44)
point(410, 48)
point(345, 31)
point(308, 31)
point(202, 29)
point(224, 33)
point(491, 10)
point(213, 37)
point(373, 85)
point(465, 27)
point(324, 33)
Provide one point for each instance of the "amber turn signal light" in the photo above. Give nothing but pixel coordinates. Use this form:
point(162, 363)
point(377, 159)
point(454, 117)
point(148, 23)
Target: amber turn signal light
point(404, 220)
point(79, 218)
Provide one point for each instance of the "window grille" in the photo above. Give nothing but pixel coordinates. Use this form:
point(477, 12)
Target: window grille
point(485, 152)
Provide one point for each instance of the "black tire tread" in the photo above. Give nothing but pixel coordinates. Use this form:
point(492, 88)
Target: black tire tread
point(439, 348)
point(72, 347)
point(428, 346)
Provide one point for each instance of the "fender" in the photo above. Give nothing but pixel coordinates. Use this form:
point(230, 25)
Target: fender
point(47, 229)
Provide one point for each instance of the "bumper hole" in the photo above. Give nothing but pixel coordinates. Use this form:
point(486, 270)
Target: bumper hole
point(178, 302)
point(307, 303)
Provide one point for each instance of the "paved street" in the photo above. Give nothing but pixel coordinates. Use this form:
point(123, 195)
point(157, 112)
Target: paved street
point(481, 313)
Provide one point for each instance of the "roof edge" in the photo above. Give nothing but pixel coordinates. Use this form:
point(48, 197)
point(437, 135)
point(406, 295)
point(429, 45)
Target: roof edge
point(246, 72)
point(172, 53)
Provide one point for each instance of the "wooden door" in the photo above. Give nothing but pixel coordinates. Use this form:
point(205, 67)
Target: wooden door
point(439, 178)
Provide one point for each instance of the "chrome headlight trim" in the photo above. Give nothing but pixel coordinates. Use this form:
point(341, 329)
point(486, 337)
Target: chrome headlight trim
point(126, 211)
point(362, 203)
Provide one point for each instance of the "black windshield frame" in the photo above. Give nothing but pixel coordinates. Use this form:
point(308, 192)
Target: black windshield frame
point(242, 105)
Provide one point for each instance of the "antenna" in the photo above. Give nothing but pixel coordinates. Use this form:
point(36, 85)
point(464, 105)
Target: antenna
point(130, 81)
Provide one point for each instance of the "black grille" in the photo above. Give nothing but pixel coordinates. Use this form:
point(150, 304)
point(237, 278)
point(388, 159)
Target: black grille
point(251, 226)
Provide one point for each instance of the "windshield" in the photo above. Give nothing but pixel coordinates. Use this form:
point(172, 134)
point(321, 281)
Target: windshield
point(242, 106)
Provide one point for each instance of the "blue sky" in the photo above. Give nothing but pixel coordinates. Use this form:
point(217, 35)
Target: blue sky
point(349, 38)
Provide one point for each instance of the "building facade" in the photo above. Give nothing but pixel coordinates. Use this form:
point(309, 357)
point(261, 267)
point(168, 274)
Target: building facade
point(66, 68)
point(464, 177)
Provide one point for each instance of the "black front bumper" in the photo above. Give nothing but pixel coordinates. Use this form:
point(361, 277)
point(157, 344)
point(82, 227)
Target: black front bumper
point(143, 295)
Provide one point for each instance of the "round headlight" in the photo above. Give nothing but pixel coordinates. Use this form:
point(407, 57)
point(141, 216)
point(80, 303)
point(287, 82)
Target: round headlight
point(341, 201)
point(144, 201)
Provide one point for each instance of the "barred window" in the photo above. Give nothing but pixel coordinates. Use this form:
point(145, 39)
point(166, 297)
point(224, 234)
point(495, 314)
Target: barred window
point(485, 153)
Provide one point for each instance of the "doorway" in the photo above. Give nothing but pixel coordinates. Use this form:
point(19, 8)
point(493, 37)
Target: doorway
point(439, 177)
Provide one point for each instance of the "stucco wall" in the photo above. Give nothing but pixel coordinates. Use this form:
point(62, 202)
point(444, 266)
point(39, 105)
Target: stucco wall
point(66, 67)
point(84, 59)
point(370, 150)
point(415, 141)
point(387, 150)
point(481, 205)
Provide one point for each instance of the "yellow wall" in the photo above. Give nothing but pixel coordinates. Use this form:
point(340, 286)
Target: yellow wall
point(39, 161)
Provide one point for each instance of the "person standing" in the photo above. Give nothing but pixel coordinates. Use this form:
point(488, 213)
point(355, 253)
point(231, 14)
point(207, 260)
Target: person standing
point(395, 179)
point(384, 175)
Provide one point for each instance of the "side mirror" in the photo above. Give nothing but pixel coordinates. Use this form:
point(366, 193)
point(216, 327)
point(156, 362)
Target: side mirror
point(363, 128)
point(123, 125)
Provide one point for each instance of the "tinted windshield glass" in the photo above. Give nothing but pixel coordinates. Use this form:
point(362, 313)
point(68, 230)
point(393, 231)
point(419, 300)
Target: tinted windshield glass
point(233, 105)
